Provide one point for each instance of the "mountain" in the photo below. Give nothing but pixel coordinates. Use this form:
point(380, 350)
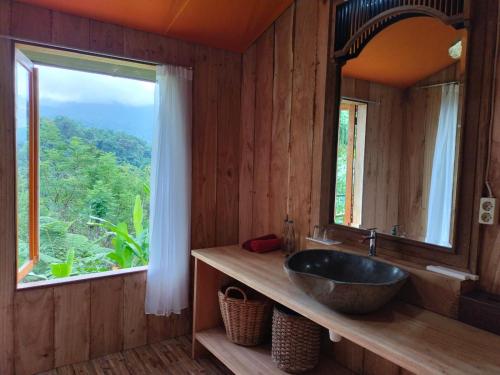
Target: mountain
point(127, 148)
point(133, 120)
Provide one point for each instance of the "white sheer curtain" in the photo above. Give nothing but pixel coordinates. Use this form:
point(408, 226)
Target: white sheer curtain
point(170, 212)
point(443, 168)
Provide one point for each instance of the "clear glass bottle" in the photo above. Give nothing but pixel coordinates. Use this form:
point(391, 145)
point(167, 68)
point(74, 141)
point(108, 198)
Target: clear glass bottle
point(289, 244)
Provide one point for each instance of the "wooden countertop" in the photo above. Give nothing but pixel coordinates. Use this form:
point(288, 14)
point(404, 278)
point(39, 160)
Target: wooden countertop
point(416, 339)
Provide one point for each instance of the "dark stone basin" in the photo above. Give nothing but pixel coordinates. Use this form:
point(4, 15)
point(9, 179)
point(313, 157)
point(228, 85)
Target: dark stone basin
point(345, 282)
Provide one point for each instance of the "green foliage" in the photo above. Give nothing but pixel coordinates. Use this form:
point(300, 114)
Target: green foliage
point(341, 167)
point(138, 215)
point(129, 250)
point(85, 172)
point(63, 269)
point(126, 148)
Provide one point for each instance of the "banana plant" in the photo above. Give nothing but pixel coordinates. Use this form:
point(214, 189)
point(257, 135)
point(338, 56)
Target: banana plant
point(128, 250)
point(64, 269)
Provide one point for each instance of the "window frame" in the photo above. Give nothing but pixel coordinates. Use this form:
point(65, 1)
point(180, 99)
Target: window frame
point(33, 168)
point(29, 54)
point(351, 108)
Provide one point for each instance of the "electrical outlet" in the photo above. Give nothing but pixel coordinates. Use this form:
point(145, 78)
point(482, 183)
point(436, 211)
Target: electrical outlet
point(488, 211)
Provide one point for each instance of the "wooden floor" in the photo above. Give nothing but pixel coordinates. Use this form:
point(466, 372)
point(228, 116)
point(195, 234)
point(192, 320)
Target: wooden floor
point(168, 357)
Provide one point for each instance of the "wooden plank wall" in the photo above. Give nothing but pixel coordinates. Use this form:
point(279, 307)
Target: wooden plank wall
point(53, 326)
point(489, 257)
point(283, 86)
point(282, 120)
point(294, 101)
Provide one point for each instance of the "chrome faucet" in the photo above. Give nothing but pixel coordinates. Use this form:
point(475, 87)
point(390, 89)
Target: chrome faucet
point(372, 250)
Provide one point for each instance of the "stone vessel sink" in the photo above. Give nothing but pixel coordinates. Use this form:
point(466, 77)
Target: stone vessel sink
point(345, 282)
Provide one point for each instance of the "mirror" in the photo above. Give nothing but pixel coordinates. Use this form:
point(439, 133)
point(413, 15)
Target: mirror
point(399, 132)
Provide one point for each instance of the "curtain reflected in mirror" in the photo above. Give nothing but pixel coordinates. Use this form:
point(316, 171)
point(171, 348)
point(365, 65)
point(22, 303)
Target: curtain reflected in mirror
point(399, 132)
point(439, 214)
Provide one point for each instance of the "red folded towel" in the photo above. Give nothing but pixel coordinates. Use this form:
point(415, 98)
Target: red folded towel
point(263, 244)
point(246, 244)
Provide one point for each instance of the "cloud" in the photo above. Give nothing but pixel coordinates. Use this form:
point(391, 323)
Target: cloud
point(64, 85)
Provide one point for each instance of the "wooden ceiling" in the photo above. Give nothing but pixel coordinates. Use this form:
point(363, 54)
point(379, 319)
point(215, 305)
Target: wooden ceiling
point(406, 52)
point(227, 24)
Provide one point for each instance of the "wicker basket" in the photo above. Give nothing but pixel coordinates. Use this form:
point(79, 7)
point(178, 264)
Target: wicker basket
point(246, 321)
point(296, 341)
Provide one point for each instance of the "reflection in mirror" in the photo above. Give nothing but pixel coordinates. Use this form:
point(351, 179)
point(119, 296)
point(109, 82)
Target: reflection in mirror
point(399, 132)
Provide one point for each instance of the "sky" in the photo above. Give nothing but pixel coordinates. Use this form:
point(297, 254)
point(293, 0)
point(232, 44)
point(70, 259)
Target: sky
point(64, 85)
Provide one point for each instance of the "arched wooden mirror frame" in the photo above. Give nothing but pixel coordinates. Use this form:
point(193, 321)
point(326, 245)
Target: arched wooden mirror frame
point(358, 21)
point(352, 25)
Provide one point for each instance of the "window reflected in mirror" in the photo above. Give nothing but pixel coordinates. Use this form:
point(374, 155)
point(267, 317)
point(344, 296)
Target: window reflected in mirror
point(399, 132)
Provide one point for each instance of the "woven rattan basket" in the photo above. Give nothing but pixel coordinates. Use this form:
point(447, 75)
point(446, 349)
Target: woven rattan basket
point(246, 320)
point(296, 341)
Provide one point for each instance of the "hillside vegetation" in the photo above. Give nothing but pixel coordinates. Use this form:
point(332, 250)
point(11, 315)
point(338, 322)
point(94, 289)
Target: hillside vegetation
point(94, 197)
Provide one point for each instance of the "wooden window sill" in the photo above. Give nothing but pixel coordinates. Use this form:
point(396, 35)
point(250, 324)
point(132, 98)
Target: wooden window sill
point(80, 278)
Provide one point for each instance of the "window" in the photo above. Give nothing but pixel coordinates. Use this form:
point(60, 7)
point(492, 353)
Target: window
point(83, 139)
point(350, 163)
point(27, 167)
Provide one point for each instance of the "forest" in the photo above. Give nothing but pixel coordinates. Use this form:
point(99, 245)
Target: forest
point(340, 184)
point(93, 200)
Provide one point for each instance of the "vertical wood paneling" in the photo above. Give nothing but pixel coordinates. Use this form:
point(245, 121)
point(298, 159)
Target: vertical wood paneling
point(68, 30)
point(4, 17)
point(263, 132)
point(106, 316)
point(228, 130)
point(8, 230)
point(204, 164)
point(157, 329)
point(115, 303)
point(309, 33)
point(302, 122)
point(29, 22)
point(247, 143)
point(34, 327)
point(376, 365)
point(136, 44)
point(349, 355)
point(362, 361)
point(185, 53)
point(170, 51)
point(280, 136)
point(106, 38)
point(388, 150)
point(319, 110)
point(161, 328)
point(489, 261)
point(161, 49)
point(72, 323)
point(486, 21)
point(134, 318)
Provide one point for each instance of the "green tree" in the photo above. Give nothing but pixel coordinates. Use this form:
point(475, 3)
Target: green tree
point(84, 172)
point(341, 174)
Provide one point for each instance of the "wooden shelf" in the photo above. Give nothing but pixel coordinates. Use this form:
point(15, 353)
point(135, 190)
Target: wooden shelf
point(254, 360)
point(415, 339)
